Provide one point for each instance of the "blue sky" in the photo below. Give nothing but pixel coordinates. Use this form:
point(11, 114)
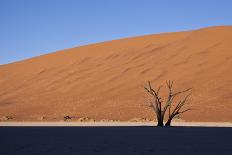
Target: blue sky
point(30, 28)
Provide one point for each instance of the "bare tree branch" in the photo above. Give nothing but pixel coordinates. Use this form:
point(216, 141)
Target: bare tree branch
point(161, 110)
point(181, 112)
point(175, 94)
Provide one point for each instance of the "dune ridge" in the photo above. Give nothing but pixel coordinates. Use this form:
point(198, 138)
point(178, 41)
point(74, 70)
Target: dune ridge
point(105, 80)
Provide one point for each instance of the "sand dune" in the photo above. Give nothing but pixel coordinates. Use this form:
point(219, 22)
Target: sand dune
point(105, 80)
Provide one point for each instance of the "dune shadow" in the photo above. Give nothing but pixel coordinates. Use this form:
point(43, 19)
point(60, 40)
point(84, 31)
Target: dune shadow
point(115, 140)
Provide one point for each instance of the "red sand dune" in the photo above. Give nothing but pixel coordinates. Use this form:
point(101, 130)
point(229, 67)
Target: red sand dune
point(105, 80)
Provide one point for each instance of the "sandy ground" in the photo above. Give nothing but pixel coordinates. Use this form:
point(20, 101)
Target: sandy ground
point(104, 124)
point(106, 80)
point(115, 141)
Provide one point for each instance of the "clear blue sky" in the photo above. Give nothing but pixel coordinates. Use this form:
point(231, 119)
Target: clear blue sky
point(33, 27)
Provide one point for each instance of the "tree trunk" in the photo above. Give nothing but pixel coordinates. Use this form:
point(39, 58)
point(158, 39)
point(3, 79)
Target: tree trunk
point(168, 123)
point(160, 121)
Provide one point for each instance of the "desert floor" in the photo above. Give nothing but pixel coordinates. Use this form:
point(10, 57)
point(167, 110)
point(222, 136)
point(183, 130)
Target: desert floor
point(115, 124)
point(116, 140)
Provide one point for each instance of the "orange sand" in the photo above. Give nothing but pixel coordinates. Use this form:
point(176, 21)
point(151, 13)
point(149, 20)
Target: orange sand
point(105, 80)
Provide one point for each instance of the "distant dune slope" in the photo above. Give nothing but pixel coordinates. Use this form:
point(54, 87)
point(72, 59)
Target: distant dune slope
point(105, 80)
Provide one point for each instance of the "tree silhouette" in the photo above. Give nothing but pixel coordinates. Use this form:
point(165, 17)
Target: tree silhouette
point(161, 108)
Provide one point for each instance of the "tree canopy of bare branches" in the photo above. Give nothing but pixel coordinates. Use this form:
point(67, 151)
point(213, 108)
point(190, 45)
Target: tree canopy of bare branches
point(161, 106)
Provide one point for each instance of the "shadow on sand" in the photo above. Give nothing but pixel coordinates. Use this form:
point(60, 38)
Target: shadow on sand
point(115, 140)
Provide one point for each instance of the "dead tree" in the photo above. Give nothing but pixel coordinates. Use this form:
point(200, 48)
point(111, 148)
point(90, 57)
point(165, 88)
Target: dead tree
point(160, 107)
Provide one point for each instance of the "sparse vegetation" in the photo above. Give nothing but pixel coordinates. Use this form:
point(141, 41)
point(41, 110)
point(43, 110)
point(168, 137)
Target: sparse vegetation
point(161, 107)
